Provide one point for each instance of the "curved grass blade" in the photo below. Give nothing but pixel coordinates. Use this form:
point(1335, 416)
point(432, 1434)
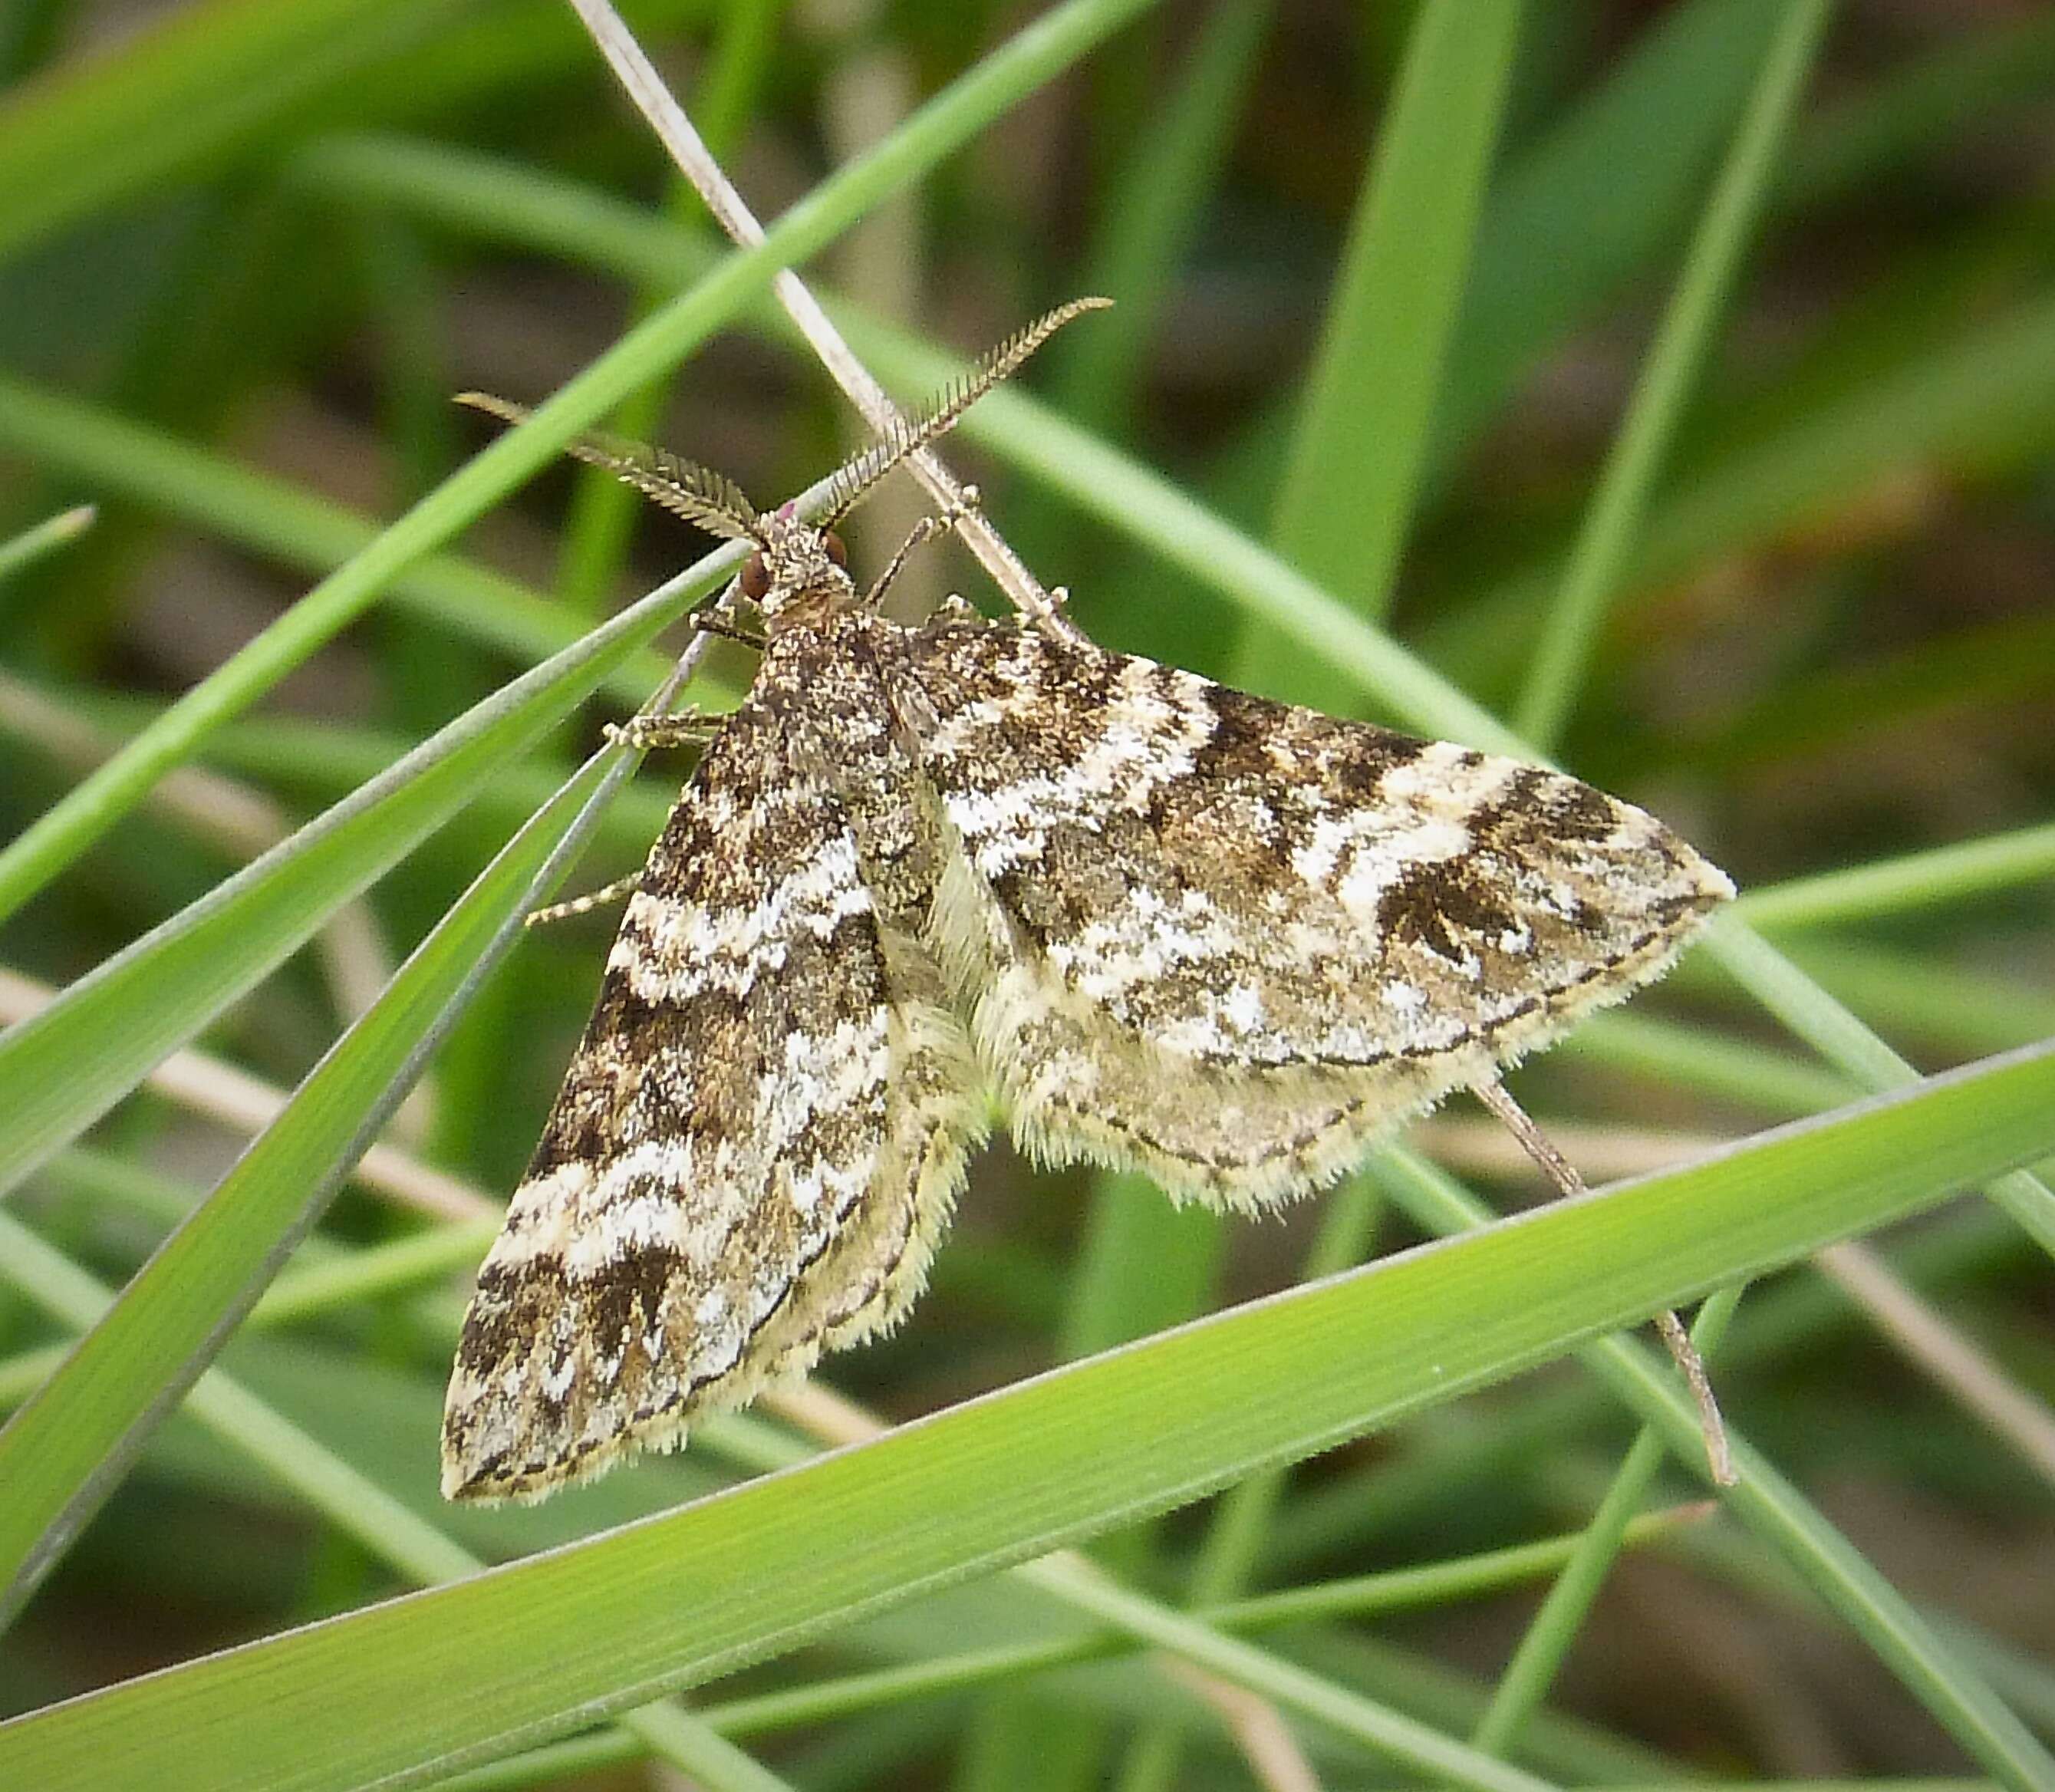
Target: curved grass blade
point(536, 1649)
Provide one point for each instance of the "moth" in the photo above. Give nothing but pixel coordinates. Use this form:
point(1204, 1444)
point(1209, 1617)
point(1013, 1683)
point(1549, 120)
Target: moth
point(923, 871)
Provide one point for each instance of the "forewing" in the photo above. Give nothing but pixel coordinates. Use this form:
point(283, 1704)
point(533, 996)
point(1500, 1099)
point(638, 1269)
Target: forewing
point(1227, 941)
point(756, 1140)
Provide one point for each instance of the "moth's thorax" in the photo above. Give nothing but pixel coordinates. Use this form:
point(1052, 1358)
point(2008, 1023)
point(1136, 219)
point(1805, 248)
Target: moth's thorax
point(805, 585)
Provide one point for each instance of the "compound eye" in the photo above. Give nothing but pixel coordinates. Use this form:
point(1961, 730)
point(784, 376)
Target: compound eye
point(836, 552)
point(755, 580)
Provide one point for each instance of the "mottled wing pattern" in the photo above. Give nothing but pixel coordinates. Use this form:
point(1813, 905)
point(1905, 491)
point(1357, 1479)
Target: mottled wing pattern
point(1226, 941)
point(757, 1139)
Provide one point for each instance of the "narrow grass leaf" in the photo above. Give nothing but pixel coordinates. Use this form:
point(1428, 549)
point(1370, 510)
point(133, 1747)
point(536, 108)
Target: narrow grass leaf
point(1345, 499)
point(1940, 876)
point(46, 537)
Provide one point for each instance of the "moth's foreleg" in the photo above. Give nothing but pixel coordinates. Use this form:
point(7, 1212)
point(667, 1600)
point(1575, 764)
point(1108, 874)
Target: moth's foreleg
point(586, 904)
point(713, 622)
point(685, 728)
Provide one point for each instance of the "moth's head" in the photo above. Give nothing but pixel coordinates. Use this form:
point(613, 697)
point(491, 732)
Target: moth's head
point(799, 570)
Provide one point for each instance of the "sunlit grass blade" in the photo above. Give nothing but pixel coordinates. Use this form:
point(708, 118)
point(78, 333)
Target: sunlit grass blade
point(46, 537)
point(1784, 1323)
point(1933, 879)
point(611, 1623)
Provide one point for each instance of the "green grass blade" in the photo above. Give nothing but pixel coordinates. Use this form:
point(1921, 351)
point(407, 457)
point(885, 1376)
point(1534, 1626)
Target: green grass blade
point(944, 123)
point(46, 537)
point(535, 1649)
point(1345, 499)
point(1917, 880)
point(1682, 342)
point(1785, 1323)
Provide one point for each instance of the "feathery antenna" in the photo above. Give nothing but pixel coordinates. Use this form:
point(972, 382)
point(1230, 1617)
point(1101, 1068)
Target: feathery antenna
point(684, 487)
point(716, 503)
point(853, 483)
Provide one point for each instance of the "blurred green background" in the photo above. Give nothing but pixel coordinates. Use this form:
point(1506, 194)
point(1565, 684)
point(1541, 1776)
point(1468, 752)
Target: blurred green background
point(1678, 381)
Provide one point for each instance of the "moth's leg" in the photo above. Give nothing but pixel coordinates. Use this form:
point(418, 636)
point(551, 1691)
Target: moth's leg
point(686, 727)
point(924, 530)
point(710, 621)
point(586, 903)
